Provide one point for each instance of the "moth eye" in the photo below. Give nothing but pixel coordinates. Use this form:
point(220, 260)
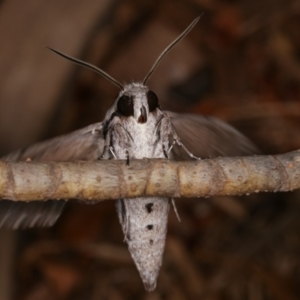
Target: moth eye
point(125, 106)
point(152, 101)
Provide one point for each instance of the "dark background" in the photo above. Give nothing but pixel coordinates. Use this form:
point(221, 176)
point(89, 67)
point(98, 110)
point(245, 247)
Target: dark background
point(241, 63)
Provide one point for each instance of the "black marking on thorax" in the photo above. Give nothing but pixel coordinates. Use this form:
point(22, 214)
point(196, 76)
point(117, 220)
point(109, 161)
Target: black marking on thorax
point(106, 124)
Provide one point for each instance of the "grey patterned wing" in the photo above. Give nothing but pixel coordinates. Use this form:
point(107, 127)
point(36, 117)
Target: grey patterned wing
point(83, 144)
point(208, 137)
point(26, 215)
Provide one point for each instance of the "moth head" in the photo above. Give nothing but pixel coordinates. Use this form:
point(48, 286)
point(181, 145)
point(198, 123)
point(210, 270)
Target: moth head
point(135, 99)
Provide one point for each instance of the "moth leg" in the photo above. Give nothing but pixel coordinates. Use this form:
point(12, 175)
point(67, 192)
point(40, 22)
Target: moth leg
point(161, 132)
point(176, 140)
point(125, 219)
point(126, 224)
point(127, 158)
point(179, 143)
point(94, 130)
point(165, 125)
point(165, 151)
point(171, 147)
point(121, 136)
point(107, 144)
point(175, 209)
point(113, 132)
point(158, 126)
point(111, 149)
point(118, 130)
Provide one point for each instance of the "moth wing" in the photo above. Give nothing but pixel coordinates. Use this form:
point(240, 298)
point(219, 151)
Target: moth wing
point(208, 137)
point(83, 144)
point(26, 215)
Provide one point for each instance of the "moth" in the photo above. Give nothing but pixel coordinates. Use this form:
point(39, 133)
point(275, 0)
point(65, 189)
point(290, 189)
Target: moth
point(135, 127)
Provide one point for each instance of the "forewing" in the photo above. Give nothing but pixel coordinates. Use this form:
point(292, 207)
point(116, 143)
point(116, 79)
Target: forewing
point(208, 137)
point(26, 215)
point(83, 144)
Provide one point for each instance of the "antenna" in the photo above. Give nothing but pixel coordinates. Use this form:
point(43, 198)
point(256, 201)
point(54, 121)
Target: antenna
point(174, 43)
point(88, 66)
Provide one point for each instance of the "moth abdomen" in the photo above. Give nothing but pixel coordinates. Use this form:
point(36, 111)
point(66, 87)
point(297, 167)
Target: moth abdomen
point(146, 224)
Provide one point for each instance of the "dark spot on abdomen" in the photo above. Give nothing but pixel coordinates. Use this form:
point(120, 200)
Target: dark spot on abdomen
point(150, 227)
point(151, 242)
point(149, 207)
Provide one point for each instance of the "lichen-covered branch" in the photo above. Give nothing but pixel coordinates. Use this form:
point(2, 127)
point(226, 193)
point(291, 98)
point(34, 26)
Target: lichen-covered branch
point(99, 180)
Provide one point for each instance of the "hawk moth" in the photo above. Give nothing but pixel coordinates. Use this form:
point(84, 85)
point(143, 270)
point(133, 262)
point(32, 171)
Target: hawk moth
point(134, 127)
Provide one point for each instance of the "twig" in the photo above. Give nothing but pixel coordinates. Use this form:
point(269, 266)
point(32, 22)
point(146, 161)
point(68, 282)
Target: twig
point(113, 179)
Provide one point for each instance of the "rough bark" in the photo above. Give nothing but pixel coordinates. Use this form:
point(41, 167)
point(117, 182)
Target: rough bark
point(100, 180)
